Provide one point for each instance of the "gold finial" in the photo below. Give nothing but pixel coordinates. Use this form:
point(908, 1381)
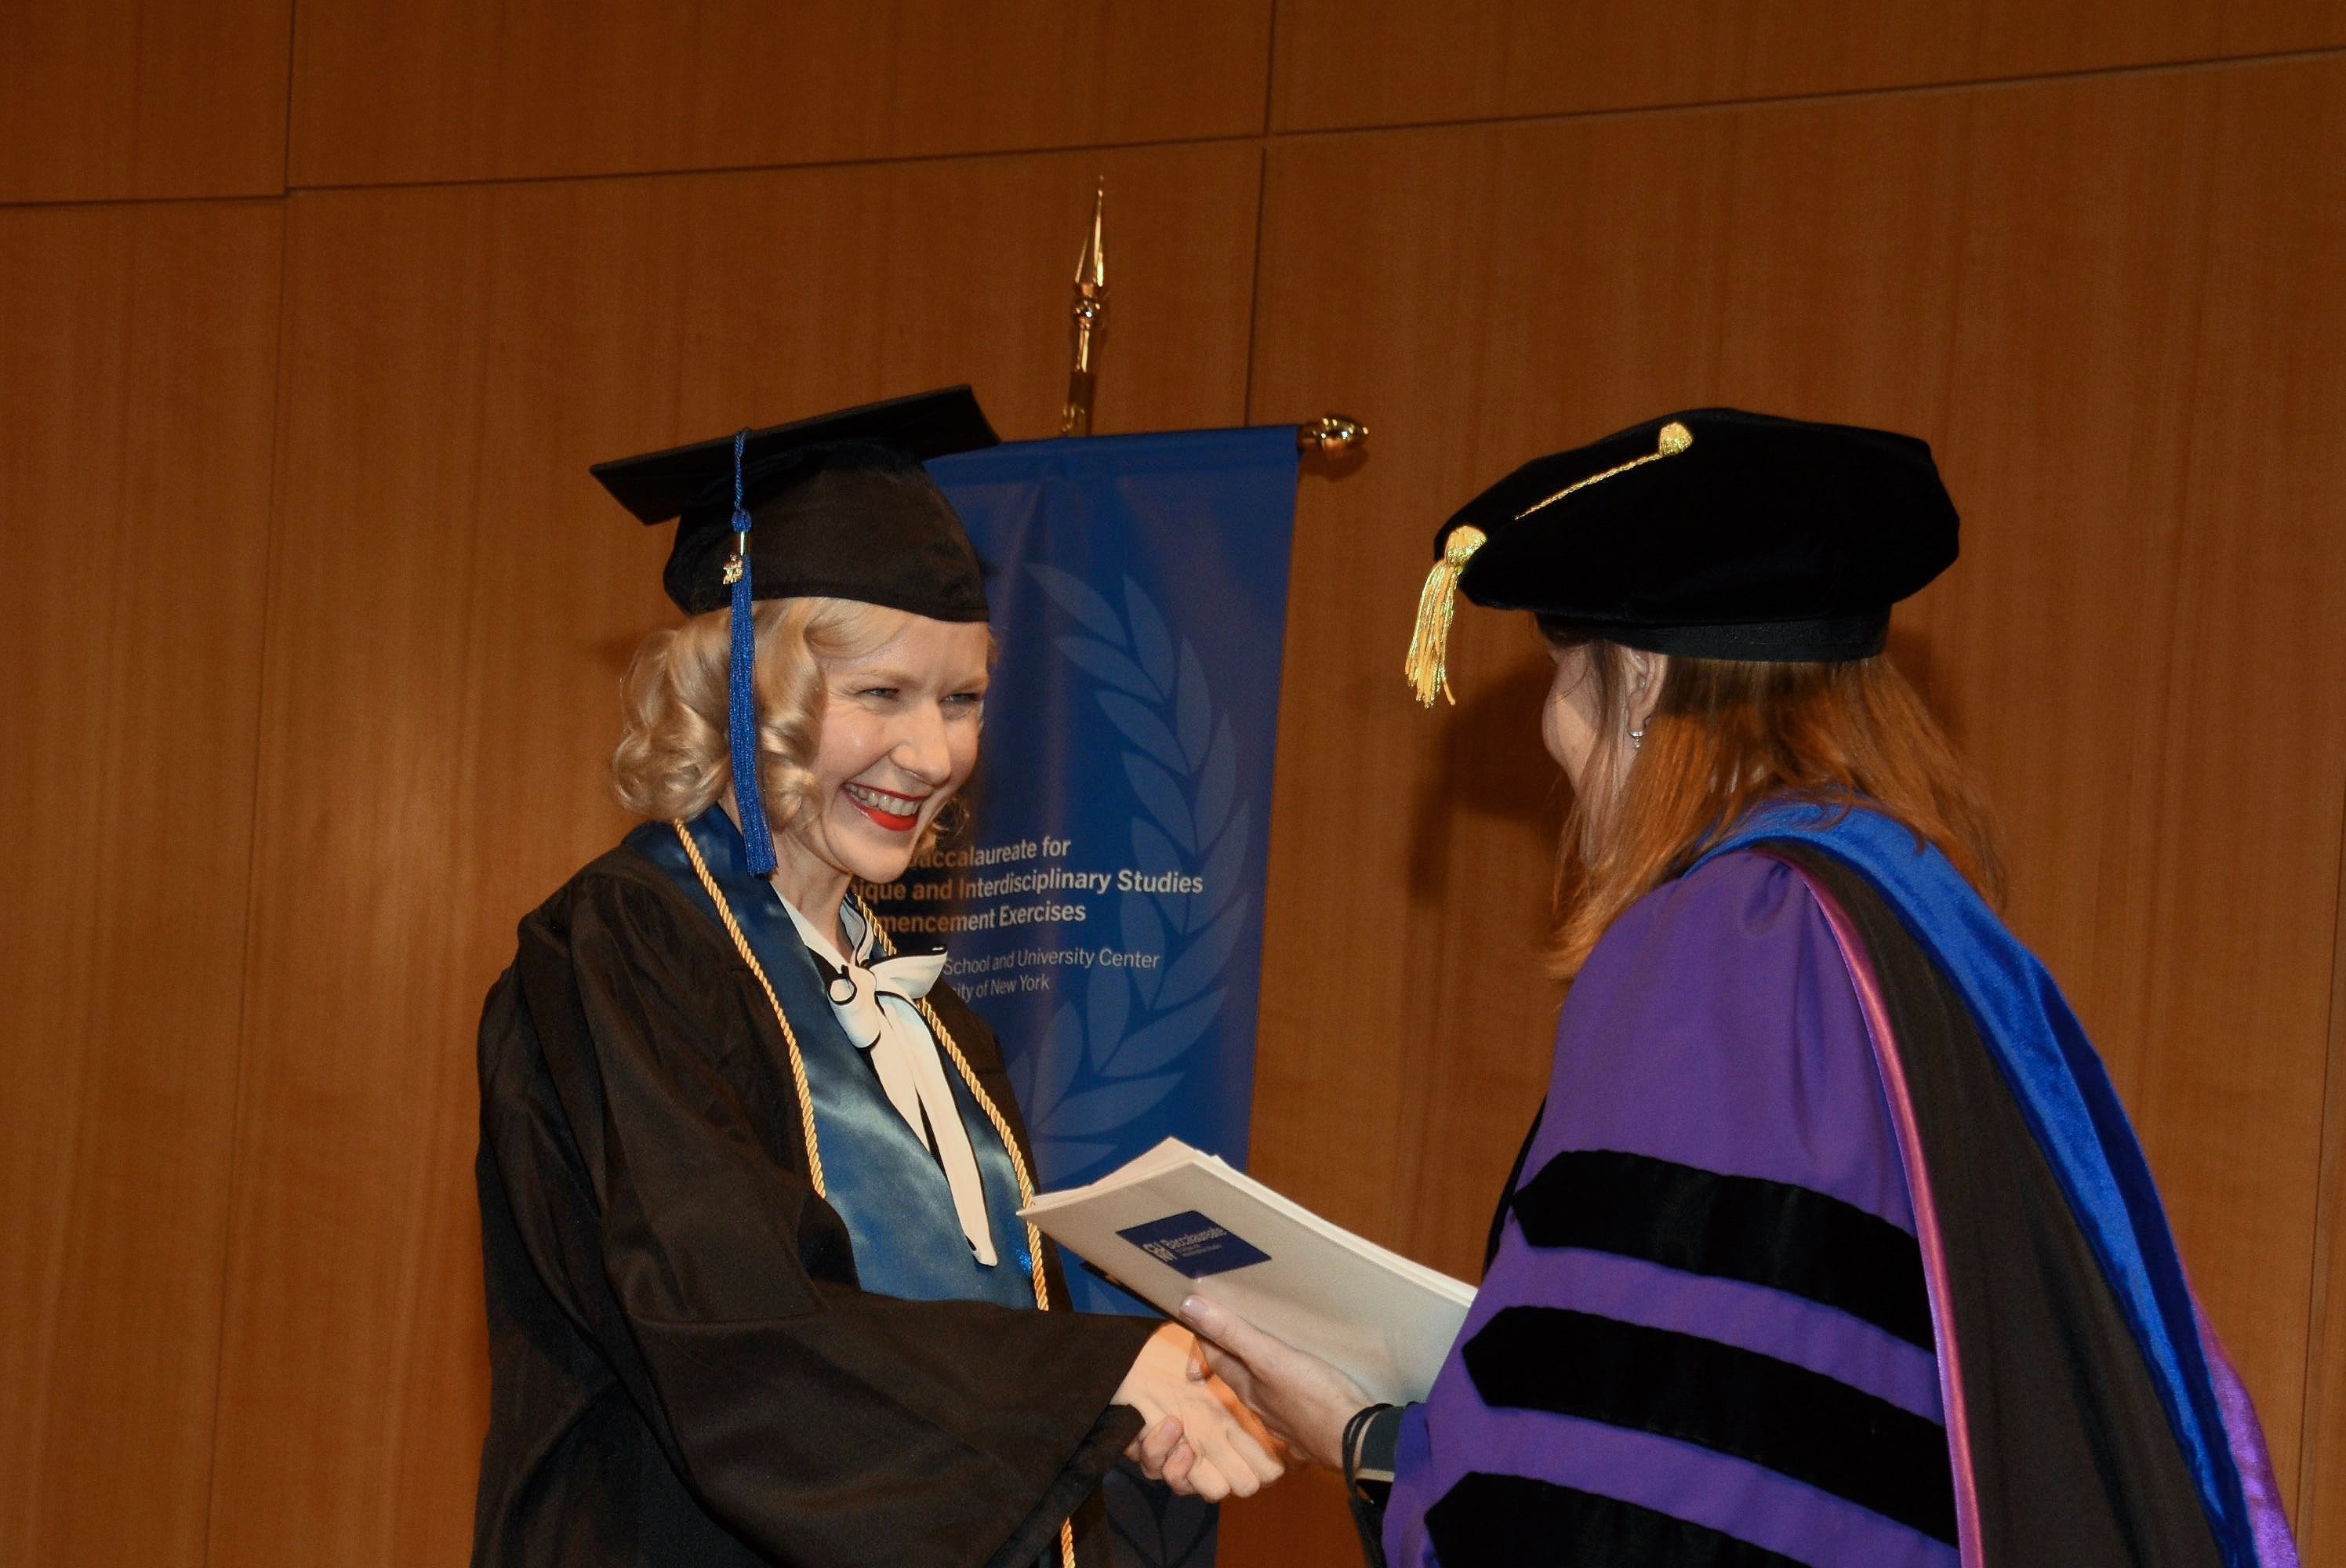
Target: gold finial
point(1329, 435)
point(1429, 645)
point(1674, 438)
point(1089, 310)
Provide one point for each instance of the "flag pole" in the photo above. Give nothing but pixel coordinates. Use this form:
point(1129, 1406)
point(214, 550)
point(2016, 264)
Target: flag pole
point(1332, 437)
point(1089, 312)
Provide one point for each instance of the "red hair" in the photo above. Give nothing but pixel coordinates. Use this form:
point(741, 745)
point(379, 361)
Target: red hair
point(1724, 736)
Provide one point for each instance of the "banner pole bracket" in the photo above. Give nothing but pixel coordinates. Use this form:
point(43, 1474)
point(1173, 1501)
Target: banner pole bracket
point(1331, 435)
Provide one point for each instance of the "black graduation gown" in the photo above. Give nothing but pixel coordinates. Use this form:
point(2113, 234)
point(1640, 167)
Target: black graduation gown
point(685, 1370)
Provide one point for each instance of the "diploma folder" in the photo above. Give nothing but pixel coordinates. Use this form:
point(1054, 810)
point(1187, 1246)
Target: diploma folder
point(1176, 1223)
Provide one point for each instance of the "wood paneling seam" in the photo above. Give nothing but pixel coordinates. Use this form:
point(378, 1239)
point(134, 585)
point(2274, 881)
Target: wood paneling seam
point(2331, 1175)
point(792, 166)
point(1846, 95)
point(252, 864)
point(114, 203)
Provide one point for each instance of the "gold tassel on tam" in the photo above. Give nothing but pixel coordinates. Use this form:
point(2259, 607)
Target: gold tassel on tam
point(1429, 646)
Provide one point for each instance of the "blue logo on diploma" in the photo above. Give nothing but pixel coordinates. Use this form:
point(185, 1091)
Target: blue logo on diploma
point(1194, 1245)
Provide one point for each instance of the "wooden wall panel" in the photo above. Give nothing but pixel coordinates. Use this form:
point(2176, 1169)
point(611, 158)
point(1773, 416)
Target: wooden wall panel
point(2255, 766)
point(106, 100)
point(138, 362)
point(1402, 62)
point(2101, 304)
point(2109, 301)
point(2320, 1477)
point(394, 90)
point(453, 600)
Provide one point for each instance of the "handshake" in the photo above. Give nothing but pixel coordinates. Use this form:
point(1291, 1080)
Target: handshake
point(1225, 1408)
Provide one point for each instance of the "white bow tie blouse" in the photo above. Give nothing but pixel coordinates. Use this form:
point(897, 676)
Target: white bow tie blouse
point(874, 1003)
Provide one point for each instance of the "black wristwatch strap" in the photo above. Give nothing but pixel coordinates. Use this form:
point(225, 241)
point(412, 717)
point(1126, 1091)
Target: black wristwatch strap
point(1367, 1450)
point(1359, 1464)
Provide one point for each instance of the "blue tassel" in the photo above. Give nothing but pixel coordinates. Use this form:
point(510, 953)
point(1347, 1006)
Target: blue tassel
point(741, 693)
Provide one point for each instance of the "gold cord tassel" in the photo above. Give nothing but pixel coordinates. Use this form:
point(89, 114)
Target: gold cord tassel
point(806, 1098)
point(1427, 667)
point(1429, 647)
point(1672, 439)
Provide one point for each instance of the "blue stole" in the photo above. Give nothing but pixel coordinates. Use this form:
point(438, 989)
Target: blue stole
point(2065, 1097)
point(881, 1178)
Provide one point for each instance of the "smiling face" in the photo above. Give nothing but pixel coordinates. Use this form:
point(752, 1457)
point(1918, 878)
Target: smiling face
point(899, 739)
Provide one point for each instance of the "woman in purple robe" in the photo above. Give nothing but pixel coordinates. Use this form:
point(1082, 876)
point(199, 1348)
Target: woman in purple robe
point(1831, 1243)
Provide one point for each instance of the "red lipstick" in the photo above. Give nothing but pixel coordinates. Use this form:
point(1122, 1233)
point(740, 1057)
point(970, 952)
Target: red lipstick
point(894, 821)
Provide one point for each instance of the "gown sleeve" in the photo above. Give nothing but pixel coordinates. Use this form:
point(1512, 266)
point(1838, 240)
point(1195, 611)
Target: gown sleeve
point(1704, 1336)
point(640, 1129)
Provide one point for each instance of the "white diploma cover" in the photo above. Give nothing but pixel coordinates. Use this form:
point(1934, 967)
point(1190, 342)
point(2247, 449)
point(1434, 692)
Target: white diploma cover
point(1176, 1223)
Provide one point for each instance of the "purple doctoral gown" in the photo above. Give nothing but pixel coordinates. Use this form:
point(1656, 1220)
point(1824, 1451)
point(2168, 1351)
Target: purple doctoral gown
point(1712, 1330)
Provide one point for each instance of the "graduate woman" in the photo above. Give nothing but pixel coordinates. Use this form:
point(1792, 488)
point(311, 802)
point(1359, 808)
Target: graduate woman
point(758, 1291)
point(1830, 1244)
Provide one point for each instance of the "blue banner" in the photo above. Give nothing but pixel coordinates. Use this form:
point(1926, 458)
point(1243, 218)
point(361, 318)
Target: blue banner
point(1104, 917)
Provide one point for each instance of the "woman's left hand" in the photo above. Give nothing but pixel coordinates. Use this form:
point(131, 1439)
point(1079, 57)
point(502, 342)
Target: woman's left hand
point(1300, 1398)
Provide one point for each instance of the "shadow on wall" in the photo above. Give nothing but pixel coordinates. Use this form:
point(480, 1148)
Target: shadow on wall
point(1910, 652)
point(1493, 764)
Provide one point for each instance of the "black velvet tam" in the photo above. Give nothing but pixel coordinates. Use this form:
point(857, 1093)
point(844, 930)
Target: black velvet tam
point(839, 506)
point(1716, 534)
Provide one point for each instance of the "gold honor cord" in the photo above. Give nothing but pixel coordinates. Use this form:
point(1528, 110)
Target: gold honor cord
point(984, 1103)
point(789, 1036)
point(806, 1098)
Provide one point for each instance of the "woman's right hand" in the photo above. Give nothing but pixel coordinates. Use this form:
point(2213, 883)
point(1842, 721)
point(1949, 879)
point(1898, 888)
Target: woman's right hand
point(1305, 1402)
point(1196, 1436)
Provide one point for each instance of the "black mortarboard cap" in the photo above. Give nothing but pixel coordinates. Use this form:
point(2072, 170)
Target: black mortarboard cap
point(839, 506)
point(1709, 534)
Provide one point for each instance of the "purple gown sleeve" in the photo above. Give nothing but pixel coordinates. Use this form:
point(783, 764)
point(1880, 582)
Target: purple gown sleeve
point(1704, 1337)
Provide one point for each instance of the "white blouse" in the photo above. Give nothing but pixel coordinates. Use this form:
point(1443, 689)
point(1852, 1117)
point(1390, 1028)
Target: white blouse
point(874, 1003)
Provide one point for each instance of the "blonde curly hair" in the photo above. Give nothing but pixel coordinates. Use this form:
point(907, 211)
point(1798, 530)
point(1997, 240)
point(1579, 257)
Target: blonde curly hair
point(672, 759)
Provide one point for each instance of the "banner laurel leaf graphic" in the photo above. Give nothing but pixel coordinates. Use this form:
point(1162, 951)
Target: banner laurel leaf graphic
point(1115, 1058)
point(1075, 596)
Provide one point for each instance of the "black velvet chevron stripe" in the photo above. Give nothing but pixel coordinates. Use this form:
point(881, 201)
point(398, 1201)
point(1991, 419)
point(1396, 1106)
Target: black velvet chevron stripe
point(1780, 1417)
point(1790, 1238)
point(1512, 1519)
